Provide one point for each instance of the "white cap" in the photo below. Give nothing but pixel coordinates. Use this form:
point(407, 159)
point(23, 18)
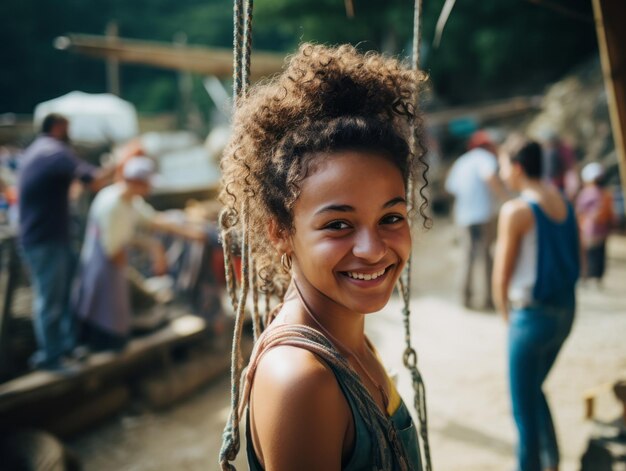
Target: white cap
point(591, 172)
point(139, 168)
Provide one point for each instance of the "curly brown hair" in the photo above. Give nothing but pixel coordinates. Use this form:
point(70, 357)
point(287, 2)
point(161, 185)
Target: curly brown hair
point(328, 99)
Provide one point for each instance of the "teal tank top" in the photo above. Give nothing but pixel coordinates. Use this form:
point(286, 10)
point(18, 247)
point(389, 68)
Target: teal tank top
point(361, 458)
point(558, 257)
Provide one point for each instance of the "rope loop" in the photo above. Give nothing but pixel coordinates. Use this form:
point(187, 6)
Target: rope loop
point(409, 357)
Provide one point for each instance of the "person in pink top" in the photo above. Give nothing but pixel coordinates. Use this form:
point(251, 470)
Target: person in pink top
point(594, 208)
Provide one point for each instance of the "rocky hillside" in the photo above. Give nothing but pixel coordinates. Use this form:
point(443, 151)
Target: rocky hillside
point(575, 108)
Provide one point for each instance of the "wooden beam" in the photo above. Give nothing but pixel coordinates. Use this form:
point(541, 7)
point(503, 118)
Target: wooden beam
point(197, 59)
point(42, 385)
point(609, 17)
point(482, 112)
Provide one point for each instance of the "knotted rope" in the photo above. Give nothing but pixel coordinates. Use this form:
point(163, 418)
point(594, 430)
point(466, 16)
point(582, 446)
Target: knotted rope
point(231, 437)
point(409, 356)
point(256, 314)
point(242, 45)
point(227, 244)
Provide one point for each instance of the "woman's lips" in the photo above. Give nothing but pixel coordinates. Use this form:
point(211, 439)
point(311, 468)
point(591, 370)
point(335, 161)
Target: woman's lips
point(367, 278)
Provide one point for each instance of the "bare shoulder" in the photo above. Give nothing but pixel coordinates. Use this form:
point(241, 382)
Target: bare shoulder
point(516, 217)
point(299, 411)
point(515, 208)
point(295, 369)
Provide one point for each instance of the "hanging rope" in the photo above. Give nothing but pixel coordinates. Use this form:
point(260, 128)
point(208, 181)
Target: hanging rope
point(238, 29)
point(417, 12)
point(256, 315)
point(409, 356)
point(242, 44)
point(229, 270)
point(247, 50)
point(442, 21)
point(231, 440)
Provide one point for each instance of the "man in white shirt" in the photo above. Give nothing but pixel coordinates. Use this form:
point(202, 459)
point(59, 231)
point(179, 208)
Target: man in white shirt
point(474, 182)
point(118, 211)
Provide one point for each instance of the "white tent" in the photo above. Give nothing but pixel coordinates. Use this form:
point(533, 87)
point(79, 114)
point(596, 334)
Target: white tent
point(94, 118)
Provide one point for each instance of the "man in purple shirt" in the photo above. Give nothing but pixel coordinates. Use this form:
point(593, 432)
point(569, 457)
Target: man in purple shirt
point(47, 170)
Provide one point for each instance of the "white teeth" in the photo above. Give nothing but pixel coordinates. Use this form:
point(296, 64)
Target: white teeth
point(365, 276)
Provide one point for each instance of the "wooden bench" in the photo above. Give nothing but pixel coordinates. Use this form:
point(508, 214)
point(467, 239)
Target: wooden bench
point(103, 382)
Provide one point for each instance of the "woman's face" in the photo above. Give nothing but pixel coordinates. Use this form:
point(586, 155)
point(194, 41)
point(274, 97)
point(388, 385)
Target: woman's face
point(351, 235)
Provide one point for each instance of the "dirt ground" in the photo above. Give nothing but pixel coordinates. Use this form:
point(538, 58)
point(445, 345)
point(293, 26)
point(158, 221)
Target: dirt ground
point(461, 356)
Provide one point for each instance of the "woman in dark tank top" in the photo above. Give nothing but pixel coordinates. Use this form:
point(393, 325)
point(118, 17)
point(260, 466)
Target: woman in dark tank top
point(542, 222)
point(318, 181)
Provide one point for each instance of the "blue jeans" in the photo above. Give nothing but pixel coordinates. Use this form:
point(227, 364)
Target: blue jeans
point(536, 335)
point(51, 266)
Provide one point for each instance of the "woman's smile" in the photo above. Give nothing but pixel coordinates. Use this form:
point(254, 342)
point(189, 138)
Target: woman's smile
point(367, 276)
point(350, 240)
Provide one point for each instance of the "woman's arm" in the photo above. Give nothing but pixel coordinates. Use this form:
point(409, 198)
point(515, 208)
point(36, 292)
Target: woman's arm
point(299, 416)
point(515, 219)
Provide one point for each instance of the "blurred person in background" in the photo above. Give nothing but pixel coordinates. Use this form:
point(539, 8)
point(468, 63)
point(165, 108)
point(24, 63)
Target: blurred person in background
point(48, 168)
point(102, 298)
point(474, 183)
point(559, 164)
point(594, 206)
point(535, 271)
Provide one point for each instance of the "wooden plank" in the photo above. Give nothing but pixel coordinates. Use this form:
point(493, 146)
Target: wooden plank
point(45, 384)
point(170, 385)
point(201, 60)
point(609, 17)
point(10, 264)
point(86, 411)
point(482, 112)
point(590, 395)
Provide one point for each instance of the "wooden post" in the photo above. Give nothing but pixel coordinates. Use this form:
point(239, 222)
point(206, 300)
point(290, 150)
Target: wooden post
point(113, 65)
point(10, 265)
point(191, 118)
point(609, 17)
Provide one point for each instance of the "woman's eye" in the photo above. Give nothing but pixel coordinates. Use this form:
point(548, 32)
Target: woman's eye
point(337, 225)
point(392, 219)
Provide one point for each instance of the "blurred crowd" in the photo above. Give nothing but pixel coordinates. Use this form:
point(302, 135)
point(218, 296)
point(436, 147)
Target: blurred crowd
point(94, 265)
point(475, 182)
point(88, 272)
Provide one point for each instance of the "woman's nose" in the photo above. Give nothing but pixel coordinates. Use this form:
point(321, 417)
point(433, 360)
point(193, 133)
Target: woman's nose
point(369, 246)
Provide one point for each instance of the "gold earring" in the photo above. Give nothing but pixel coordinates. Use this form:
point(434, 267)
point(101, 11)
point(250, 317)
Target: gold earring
point(285, 261)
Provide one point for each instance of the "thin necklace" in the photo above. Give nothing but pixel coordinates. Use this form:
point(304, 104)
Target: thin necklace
point(340, 346)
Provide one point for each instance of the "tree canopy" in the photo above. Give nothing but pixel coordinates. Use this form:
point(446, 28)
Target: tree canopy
point(490, 48)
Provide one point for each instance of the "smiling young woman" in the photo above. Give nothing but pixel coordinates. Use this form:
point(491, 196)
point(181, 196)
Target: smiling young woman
point(319, 173)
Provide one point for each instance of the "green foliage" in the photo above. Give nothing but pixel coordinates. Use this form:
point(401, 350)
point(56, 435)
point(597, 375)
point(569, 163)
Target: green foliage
point(153, 95)
point(494, 48)
point(325, 21)
point(490, 48)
